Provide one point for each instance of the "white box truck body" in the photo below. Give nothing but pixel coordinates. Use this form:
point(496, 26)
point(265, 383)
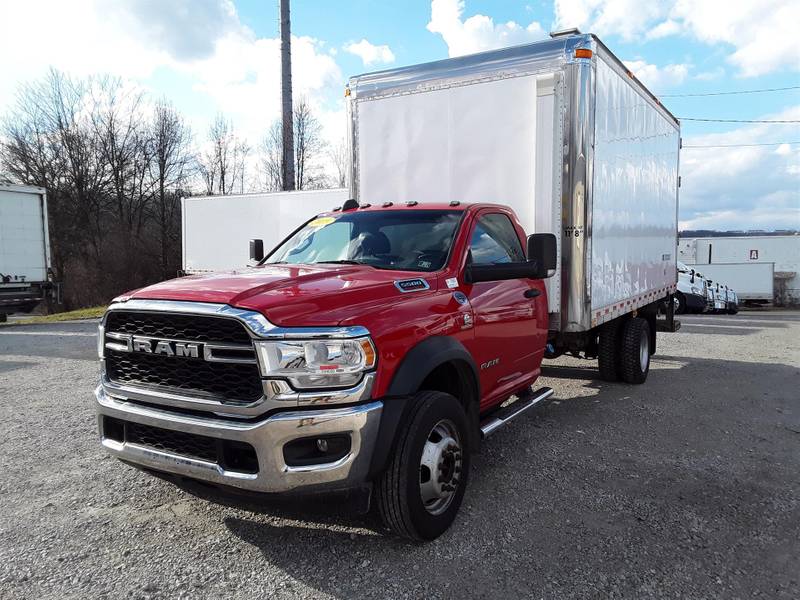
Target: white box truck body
point(216, 228)
point(24, 248)
point(559, 130)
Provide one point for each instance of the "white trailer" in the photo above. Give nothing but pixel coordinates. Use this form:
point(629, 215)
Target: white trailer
point(216, 228)
point(749, 281)
point(24, 248)
point(561, 131)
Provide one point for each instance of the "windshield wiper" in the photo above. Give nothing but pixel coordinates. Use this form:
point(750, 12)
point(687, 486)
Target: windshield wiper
point(339, 262)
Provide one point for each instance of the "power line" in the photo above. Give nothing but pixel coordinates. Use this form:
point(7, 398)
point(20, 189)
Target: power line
point(738, 120)
point(761, 91)
point(742, 145)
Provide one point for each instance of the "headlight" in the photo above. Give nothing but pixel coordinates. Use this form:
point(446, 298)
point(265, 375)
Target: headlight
point(317, 363)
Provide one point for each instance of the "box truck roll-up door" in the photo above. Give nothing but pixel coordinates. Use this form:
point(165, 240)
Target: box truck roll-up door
point(478, 142)
point(23, 242)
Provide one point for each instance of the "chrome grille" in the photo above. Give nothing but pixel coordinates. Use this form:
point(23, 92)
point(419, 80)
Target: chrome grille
point(229, 382)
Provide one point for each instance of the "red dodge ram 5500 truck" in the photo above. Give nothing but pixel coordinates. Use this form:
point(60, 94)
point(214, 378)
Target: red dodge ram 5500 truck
point(371, 349)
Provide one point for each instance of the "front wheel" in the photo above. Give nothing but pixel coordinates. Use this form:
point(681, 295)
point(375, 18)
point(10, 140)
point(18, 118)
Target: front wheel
point(421, 491)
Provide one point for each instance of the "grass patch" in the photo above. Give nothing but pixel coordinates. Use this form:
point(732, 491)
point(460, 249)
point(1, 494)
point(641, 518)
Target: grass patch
point(94, 312)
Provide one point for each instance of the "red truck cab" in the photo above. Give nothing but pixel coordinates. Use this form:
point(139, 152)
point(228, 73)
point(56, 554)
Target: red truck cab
point(371, 349)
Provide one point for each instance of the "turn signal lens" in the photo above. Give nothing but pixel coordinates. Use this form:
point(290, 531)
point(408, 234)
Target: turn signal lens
point(583, 53)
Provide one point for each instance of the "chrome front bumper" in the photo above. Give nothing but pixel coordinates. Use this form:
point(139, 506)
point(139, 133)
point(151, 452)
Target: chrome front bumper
point(267, 436)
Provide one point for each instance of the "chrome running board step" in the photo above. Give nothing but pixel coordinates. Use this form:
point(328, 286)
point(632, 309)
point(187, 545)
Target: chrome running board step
point(503, 416)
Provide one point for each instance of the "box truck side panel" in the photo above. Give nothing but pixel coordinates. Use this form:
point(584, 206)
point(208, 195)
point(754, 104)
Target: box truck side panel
point(216, 229)
point(634, 198)
point(23, 234)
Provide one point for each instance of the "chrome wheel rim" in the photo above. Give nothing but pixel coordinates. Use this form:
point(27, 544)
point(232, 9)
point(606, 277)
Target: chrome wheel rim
point(644, 351)
point(440, 467)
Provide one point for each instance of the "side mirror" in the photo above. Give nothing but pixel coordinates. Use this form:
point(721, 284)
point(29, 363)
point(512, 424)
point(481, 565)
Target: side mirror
point(256, 250)
point(543, 252)
point(692, 280)
point(500, 272)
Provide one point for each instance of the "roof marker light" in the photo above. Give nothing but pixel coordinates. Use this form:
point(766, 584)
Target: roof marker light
point(583, 53)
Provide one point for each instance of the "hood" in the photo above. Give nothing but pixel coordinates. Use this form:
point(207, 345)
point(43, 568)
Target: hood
point(290, 295)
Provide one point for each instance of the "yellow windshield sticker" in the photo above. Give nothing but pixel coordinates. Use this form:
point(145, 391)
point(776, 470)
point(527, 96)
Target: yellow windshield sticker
point(321, 222)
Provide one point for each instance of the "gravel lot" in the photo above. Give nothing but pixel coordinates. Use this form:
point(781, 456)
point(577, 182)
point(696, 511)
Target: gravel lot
point(686, 486)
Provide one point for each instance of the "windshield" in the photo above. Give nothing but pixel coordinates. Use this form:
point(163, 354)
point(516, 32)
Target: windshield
point(405, 240)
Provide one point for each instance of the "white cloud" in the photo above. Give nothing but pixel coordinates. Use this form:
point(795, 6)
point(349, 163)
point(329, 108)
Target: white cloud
point(478, 32)
point(370, 54)
point(221, 64)
point(761, 32)
point(742, 187)
point(626, 18)
point(664, 29)
point(658, 78)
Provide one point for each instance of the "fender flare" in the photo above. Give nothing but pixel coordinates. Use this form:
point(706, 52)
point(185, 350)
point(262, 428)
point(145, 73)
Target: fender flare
point(424, 358)
point(418, 363)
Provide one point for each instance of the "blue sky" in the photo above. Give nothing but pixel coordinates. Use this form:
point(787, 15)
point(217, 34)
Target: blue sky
point(210, 56)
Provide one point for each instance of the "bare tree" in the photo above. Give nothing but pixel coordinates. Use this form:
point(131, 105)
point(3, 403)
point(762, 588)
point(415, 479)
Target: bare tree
point(113, 173)
point(222, 166)
point(272, 157)
point(309, 147)
point(339, 157)
point(170, 169)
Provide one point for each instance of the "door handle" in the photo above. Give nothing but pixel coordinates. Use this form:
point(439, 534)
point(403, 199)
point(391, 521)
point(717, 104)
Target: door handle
point(532, 293)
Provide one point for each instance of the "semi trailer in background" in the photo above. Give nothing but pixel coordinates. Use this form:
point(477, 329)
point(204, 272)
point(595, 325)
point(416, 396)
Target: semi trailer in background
point(216, 229)
point(746, 259)
point(753, 283)
point(25, 277)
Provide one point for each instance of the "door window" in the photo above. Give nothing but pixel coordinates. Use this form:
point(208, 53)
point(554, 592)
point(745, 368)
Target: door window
point(494, 241)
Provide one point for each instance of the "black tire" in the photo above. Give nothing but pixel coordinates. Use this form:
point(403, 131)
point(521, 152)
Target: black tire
point(3, 318)
point(681, 307)
point(635, 350)
point(733, 310)
point(398, 491)
point(608, 347)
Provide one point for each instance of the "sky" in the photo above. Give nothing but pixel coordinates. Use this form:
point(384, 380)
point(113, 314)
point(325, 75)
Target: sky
point(211, 56)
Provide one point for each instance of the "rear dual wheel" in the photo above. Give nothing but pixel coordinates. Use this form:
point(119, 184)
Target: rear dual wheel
point(421, 491)
point(624, 350)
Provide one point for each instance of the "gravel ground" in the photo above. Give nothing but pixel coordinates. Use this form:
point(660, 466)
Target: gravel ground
point(686, 486)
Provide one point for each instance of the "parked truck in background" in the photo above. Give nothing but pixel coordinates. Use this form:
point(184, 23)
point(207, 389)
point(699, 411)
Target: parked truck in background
point(511, 206)
point(691, 293)
point(25, 278)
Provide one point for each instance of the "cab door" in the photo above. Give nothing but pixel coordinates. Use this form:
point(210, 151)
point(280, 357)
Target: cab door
point(508, 335)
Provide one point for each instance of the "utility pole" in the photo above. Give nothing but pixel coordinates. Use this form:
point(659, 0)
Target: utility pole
point(287, 163)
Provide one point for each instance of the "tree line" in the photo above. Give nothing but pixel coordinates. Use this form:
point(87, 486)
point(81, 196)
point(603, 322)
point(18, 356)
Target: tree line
point(116, 163)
